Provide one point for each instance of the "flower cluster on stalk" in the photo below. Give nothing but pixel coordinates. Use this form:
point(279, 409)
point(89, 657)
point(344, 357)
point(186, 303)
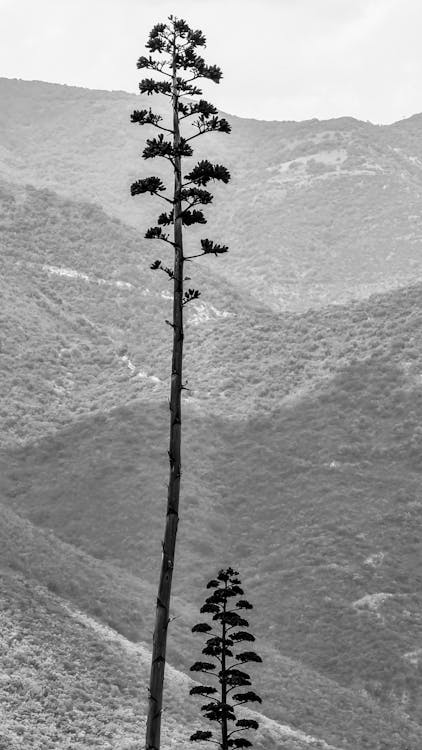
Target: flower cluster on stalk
point(227, 633)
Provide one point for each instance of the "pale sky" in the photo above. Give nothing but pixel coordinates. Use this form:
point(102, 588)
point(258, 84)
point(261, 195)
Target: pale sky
point(281, 59)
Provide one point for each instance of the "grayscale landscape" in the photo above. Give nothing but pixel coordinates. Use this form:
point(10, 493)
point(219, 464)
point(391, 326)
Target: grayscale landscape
point(302, 431)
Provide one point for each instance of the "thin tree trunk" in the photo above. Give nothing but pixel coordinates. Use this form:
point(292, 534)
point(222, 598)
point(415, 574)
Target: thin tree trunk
point(224, 737)
point(172, 517)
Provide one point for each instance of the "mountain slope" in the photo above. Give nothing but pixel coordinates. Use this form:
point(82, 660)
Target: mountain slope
point(80, 686)
point(335, 393)
point(336, 580)
point(44, 578)
point(316, 212)
point(85, 328)
point(79, 322)
point(302, 432)
point(70, 681)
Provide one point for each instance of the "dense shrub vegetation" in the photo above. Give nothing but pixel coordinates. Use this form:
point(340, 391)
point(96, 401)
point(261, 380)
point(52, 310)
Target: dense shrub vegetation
point(339, 227)
point(317, 414)
point(71, 338)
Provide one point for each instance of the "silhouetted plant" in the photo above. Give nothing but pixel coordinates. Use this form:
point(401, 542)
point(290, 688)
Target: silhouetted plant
point(225, 636)
point(175, 45)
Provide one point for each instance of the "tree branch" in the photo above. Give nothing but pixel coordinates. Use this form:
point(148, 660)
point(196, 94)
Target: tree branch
point(189, 257)
point(201, 132)
point(168, 200)
point(163, 239)
point(194, 78)
point(161, 127)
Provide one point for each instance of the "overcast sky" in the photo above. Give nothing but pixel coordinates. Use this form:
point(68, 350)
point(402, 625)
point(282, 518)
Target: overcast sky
point(281, 59)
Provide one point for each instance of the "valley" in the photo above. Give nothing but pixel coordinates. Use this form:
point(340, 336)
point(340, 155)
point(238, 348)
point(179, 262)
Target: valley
point(302, 427)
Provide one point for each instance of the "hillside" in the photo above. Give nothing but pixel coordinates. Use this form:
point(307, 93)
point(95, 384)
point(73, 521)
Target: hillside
point(55, 601)
point(317, 212)
point(302, 424)
point(79, 324)
point(86, 331)
point(336, 580)
point(68, 681)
